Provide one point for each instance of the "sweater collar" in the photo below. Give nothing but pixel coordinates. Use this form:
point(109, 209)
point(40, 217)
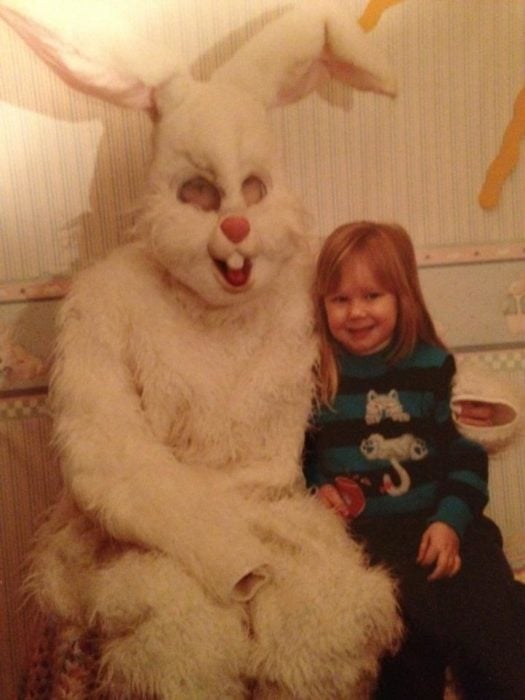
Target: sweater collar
point(363, 365)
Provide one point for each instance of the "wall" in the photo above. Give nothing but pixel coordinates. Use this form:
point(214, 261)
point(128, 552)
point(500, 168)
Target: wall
point(71, 168)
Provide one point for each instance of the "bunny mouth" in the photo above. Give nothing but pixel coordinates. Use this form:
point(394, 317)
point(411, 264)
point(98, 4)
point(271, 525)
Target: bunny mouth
point(235, 271)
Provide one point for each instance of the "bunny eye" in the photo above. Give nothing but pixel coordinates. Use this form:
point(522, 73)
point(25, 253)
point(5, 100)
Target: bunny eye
point(200, 193)
point(253, 190)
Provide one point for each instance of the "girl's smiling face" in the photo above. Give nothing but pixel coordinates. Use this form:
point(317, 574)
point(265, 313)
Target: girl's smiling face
point(361, 313)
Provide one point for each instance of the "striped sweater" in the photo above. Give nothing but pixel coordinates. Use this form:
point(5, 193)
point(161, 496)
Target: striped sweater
point(389, 443)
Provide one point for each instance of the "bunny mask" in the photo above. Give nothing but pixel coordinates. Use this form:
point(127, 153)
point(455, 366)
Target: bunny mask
point(182, 387)
point(218, 214)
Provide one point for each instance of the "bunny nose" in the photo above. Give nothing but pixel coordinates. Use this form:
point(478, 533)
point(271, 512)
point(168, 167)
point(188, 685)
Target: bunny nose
point(235, 228)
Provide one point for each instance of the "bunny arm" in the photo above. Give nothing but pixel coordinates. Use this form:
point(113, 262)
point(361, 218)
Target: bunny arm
point(119, 471)
point(476, 384)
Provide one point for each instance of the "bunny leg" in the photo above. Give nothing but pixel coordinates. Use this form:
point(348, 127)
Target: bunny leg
point(187, 647)
point(326, 618)
point(160, 634)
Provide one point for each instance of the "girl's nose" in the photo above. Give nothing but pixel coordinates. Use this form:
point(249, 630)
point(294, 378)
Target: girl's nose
point(235, 228)
point(356, 309)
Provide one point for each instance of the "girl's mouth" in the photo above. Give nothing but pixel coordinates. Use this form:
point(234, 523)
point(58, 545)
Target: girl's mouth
point(359, 331)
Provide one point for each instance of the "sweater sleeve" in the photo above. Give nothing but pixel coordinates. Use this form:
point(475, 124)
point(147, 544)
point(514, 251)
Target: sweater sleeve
point(463, 492)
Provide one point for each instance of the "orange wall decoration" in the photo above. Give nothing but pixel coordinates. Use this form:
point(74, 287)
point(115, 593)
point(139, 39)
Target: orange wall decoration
point(373, 12)
point(506, 160)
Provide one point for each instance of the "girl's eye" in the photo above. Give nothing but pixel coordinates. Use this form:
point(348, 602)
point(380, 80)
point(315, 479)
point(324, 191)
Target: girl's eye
point(200, 193)
point(253, 190)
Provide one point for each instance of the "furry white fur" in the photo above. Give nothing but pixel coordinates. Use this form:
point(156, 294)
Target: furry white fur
point(507, 402)
point(181, 389)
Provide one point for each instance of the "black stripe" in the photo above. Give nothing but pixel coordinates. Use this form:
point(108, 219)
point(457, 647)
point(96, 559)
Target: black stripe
point(345, 432)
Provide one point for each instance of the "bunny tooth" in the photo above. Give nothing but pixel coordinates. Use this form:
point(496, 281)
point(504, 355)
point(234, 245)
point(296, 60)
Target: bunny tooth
point(235, 261)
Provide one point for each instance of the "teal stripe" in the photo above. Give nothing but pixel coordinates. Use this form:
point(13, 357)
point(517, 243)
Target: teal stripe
point(417, 499)
point(417, 403)
point(455, 512)
point(470, 478)
point(346, 406)
point(425, 356)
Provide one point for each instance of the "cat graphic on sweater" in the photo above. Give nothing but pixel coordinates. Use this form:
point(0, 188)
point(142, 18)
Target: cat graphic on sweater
point(381, 406)
point(406, 447)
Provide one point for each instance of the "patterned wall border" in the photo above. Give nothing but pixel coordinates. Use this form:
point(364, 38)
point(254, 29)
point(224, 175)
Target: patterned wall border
point(509, 361)
point(20, 406)
point(32, 290)
point(27, 309)
point(463, 254)
point(23, 401)
point(34, 403)
point(55, 287)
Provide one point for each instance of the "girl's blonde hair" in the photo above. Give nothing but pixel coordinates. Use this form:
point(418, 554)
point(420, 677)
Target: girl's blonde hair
point(390, 254)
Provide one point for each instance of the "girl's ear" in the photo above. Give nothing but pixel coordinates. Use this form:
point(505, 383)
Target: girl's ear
point(294, 54)
point(79, 70)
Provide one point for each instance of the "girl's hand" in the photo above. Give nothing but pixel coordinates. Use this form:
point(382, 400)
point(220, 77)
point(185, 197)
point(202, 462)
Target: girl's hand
point(440, 546)
point(332, 499)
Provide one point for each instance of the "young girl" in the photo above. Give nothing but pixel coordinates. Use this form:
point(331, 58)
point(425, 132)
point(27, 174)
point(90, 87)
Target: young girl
point(386, 456)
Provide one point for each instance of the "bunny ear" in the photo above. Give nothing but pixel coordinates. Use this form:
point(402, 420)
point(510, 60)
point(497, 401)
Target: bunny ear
point(309, 44)
point(79, 70)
